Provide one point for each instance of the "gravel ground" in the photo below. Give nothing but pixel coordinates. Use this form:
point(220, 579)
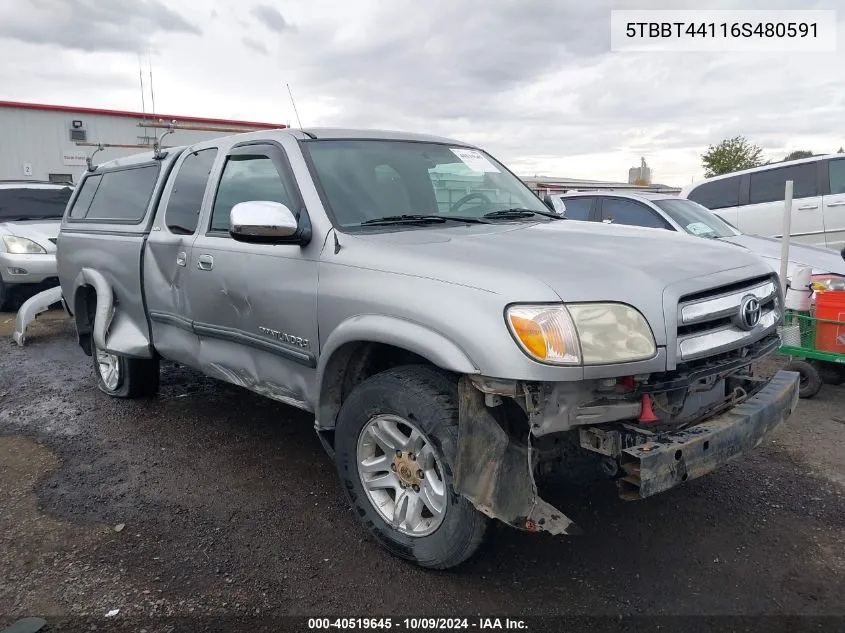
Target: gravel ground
point(209, 500)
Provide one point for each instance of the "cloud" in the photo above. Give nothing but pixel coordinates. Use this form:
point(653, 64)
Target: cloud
point(115, 25)
point(255, 45)
point(271, 18)
point(532, 81)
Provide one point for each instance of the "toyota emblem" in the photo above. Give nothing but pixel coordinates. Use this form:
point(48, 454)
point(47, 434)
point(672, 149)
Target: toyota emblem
point(749, 312)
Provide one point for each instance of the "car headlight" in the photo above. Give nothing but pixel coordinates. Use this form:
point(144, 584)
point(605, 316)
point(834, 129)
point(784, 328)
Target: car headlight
point(582, 333)
point(827, 282)
point(21, 245)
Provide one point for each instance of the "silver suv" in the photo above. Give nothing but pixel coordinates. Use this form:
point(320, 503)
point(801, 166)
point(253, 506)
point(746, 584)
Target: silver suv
point(452, 336)
point(30, 215)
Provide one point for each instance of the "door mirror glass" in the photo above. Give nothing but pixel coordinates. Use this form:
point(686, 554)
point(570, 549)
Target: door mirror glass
point(555, 204)
point(261, 221)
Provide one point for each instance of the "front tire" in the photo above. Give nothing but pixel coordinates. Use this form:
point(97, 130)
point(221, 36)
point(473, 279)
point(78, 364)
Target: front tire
point(395, 446)
point(122, 377)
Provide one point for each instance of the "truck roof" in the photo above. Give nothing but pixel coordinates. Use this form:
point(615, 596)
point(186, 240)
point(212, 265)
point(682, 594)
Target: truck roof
point(322, 133)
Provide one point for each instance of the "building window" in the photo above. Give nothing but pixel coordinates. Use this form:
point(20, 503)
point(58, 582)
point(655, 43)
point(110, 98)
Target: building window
point(61, 179)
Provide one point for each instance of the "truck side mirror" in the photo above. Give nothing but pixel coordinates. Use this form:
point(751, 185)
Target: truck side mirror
point(264, 222)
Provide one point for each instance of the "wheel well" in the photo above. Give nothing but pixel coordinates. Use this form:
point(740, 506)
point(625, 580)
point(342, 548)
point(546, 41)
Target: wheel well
point(350, 365)
point(84, 309)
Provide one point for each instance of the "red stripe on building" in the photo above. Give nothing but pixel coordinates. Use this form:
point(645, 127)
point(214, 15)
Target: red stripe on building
point(135, 115)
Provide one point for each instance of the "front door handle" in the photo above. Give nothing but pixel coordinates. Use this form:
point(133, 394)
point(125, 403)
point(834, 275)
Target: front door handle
point(807, 207)
point(835, 204)
point(205, 262)
point(181, 258)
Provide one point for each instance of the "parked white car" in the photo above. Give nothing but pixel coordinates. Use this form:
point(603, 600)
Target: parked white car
point(30, 216)
point(661, 211)
point(752, 200)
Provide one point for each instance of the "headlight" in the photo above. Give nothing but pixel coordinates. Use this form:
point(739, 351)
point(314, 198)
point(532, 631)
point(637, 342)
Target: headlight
point(827, 282)
point(21, 245)
point(588, 333)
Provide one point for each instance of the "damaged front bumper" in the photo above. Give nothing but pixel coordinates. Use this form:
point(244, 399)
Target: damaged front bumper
point(496, 474)
point(669, 459)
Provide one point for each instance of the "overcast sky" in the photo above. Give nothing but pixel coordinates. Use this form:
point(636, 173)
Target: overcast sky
point(533, 81)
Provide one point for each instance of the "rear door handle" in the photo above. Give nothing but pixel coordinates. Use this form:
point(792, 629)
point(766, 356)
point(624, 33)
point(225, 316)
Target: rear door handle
point(205, 262)
point(807, 207)
point(835, 204)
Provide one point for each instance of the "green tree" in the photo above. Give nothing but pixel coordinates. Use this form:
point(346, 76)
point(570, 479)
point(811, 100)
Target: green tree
point(732, 154)
point(799, 153)
point(841, 151)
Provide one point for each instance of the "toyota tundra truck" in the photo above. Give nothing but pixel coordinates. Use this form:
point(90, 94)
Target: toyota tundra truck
point(453, 336)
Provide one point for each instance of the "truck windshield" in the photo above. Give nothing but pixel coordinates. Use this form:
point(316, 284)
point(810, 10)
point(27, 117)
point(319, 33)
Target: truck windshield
point(696, 219)
point(366, 180)
point(33, 203)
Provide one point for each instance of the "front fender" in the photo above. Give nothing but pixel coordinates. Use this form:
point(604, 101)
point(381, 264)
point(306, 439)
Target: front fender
point(399, 332)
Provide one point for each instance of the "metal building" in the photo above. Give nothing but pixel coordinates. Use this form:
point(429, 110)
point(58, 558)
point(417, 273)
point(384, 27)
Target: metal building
point(40, 142)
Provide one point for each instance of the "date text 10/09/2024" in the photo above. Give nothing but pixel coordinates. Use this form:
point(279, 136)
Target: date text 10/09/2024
point(417, 624)
point(723, 29)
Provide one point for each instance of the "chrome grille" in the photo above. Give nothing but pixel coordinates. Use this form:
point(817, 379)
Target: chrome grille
point(712, 323)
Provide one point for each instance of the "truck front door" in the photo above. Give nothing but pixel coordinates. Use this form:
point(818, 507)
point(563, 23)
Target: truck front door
point(255, 305)
point(168, 253)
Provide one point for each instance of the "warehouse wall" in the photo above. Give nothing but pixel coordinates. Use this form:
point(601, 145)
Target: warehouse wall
point(38, 140)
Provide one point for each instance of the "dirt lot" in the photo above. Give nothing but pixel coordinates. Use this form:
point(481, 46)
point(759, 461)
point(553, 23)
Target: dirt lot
point(211, 500)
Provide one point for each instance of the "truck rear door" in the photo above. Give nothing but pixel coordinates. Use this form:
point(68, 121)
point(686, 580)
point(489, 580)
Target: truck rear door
point(168, 255)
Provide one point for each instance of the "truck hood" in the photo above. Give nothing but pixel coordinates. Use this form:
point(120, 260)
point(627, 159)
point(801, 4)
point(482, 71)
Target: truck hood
point(821, 260)
point(578, 261)
point(39, 231)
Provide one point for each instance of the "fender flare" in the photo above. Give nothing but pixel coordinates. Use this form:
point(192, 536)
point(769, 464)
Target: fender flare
point(399, 332)
point(104, 312)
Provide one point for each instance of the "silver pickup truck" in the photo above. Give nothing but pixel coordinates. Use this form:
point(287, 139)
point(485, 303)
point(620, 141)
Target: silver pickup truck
point(454, 338)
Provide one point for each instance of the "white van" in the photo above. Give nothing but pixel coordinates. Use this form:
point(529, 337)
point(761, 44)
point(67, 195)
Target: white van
point(752, 199)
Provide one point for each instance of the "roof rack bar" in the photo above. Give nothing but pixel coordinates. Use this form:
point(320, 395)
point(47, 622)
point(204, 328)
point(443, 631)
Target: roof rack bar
point(127, 145)
point(196, 128)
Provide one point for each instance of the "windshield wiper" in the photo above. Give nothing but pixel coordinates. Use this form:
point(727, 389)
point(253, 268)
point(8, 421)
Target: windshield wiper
point(420, 218)
point(518, 212)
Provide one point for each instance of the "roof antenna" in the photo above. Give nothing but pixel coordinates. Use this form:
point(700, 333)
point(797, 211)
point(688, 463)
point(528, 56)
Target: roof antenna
point(293, 103)
point(152, 94)
point(143, 104)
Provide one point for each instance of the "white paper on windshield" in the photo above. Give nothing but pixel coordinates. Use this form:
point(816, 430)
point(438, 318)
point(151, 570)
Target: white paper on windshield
point(699, 228)
point(476, 161)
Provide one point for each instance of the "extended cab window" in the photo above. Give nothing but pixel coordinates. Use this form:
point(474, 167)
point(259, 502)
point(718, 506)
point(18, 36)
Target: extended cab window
point(118, 196)
point(770, 185)
point(717, 194)
point(246, 177)
point(183, 207)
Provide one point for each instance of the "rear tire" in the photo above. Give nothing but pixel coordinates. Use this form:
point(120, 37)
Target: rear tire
point(811, 382)
point(398, 430)
point(123, 377)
